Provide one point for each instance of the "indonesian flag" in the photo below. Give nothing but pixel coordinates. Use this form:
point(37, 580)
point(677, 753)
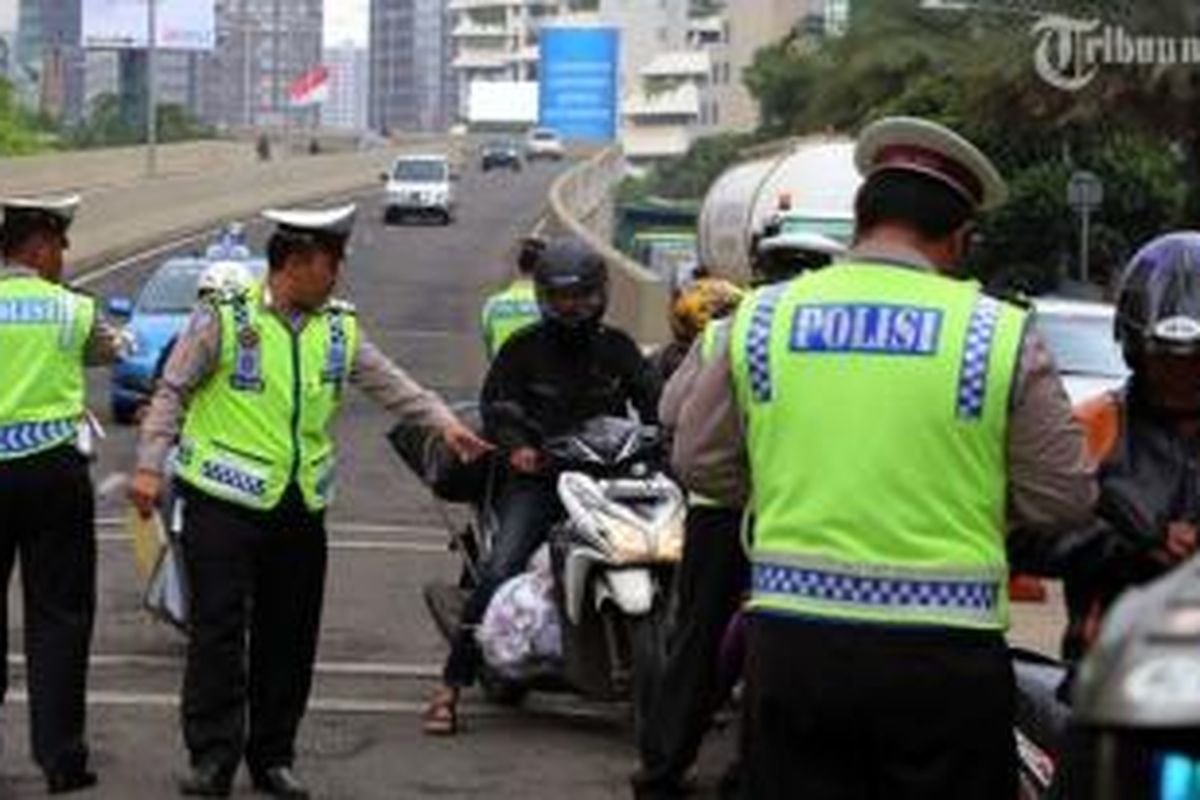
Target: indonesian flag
point(310, 89)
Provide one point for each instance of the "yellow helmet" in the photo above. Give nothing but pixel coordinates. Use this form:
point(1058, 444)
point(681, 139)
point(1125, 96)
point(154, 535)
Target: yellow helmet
point(701, 302)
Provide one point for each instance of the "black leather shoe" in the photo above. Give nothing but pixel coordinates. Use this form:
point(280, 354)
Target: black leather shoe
point(207, 780)
point(279, 782)
point(72, 781)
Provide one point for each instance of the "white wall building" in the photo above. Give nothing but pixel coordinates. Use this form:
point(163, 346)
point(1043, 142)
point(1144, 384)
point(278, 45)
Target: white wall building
point(346, 107)
point(668, 108)
point(496, 40)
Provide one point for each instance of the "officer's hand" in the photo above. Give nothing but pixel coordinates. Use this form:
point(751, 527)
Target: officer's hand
point(464, 442)
point(144, 492)
point(526, 460)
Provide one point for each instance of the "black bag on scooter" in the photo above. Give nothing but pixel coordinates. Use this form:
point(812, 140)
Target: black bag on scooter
point(436, 466)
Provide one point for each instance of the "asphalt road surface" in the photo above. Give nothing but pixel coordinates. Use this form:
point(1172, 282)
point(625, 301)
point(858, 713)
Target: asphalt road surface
point(418, 289)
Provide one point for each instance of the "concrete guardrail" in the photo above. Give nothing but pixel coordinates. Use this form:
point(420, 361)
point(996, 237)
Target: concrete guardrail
point(582, 205)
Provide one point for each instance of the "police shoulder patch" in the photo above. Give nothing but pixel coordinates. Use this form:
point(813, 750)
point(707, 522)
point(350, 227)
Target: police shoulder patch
point(339, 306)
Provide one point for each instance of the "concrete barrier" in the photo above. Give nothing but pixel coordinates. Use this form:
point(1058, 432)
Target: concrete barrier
point(582, 205)
point(199, 186)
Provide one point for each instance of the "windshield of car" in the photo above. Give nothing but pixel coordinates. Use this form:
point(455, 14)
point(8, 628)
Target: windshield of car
point(172, 290)
point(1082, 344)
point(545, 136)
point(421, 171)
point(499, 144)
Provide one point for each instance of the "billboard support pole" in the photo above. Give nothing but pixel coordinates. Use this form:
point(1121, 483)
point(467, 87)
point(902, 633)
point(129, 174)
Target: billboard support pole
point(151, 89)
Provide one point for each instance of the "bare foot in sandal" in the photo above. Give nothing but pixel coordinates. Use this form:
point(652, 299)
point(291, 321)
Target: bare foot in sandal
point(440, 717)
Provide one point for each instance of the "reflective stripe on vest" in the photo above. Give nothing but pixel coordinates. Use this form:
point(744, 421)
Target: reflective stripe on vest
point(876, 401)
point(44, 330)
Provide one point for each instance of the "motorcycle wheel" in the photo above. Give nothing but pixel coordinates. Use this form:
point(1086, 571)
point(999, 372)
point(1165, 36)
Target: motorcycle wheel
point(501, 692)
point(648, 653)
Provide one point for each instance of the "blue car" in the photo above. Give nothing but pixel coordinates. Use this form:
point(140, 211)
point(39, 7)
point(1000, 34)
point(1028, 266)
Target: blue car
point(155, 318)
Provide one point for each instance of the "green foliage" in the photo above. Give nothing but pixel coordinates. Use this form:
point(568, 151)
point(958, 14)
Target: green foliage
point(688, 177)
point(20, 133)
point(1133, 127)
point(109, 124)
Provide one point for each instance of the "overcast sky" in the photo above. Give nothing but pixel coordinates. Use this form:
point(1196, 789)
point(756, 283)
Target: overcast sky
point(344, 19)
point(8, 14)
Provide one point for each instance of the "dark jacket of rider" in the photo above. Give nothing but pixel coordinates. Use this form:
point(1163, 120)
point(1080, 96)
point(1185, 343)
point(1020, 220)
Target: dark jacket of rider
point(560, 382)
point(1148, 479)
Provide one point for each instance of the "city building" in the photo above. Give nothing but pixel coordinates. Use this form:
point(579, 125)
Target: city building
point(349, 69)
point(668, 109)
point(262, 47)
point(746, 26)
point(412, 83)
point(496, 41)
point(50, 64)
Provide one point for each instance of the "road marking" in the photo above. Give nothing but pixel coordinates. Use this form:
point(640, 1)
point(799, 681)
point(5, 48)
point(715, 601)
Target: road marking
point(565, 709)
point(348, 545)
point(381, 528)
point(103, 272)
point(345, 669)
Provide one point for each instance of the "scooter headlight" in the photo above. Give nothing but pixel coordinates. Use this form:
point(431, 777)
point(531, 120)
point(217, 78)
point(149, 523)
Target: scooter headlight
point(629, 542)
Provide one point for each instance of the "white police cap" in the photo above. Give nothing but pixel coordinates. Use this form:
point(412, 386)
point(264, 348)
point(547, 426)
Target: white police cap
point(918, 145)
point(321, 222)
point(60, 209)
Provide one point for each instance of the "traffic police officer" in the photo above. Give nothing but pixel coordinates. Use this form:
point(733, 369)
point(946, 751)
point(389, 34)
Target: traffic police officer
point(713, 573)
point(882, 418)
point(515, 307)
point(48, 334)
point(261, 375)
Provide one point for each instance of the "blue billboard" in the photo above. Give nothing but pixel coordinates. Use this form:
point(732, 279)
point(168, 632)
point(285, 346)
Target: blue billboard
point(578, 83)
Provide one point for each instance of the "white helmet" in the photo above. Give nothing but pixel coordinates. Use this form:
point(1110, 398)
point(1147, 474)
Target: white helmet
point(224, 276)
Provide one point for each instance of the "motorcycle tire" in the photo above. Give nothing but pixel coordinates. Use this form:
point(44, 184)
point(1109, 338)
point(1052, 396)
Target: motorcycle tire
point(648, 655)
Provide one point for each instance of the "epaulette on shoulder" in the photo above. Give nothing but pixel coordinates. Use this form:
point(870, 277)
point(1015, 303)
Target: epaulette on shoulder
point(339, 306)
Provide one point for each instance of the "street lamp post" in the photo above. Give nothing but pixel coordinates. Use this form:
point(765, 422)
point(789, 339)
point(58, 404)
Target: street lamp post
point(151, 88)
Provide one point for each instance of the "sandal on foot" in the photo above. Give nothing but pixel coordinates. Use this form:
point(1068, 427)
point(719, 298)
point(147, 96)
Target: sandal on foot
point(440, 717)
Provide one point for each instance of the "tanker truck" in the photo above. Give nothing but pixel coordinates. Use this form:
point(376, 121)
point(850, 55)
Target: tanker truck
point(808, 184)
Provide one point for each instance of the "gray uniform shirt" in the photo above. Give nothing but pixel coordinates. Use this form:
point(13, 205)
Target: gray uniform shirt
point(1051, 484)
point(197, 355)
point(105, 343)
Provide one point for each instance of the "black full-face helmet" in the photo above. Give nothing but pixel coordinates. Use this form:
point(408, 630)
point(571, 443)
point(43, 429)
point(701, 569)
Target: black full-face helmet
point(1158, 304)
point(571, 281)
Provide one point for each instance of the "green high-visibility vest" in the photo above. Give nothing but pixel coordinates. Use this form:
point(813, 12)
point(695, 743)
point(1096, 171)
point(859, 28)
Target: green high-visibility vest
point(44, 329)
point(507, 312)
point(262, 420)
point(877, 403)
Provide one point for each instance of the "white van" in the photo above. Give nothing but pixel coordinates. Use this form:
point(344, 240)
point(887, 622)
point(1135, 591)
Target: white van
point(419, 185)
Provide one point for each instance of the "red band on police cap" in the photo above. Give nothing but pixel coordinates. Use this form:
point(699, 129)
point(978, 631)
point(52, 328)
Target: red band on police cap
point(931, 162)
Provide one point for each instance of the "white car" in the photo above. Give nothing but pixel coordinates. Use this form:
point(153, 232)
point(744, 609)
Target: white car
point(419, 186)
point(544, 143)
point(1079, 334)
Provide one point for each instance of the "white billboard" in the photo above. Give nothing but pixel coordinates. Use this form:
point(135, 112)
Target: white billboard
point(502, 102)
point(181, 24)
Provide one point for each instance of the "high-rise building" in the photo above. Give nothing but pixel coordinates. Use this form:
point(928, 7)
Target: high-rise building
point(412, 87)
point(349, 69)
point(49, 59)
point(746, 27)
point(497, 40)
point(262, 47)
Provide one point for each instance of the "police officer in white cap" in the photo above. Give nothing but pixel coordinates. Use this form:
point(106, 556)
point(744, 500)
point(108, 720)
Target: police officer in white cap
point(48, 334)
point(885, 420)
point(251, 391)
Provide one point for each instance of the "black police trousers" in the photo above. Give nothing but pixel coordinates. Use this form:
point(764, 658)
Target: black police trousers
point(47, 519)
point(261, 573)
point(867, 712)
point(712, 579)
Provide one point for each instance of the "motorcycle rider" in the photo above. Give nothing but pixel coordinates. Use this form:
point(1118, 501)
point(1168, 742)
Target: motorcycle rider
point(1144, 437)
point(554, 375)
point(701, 301)
point(713, 572)
point(515, 307)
